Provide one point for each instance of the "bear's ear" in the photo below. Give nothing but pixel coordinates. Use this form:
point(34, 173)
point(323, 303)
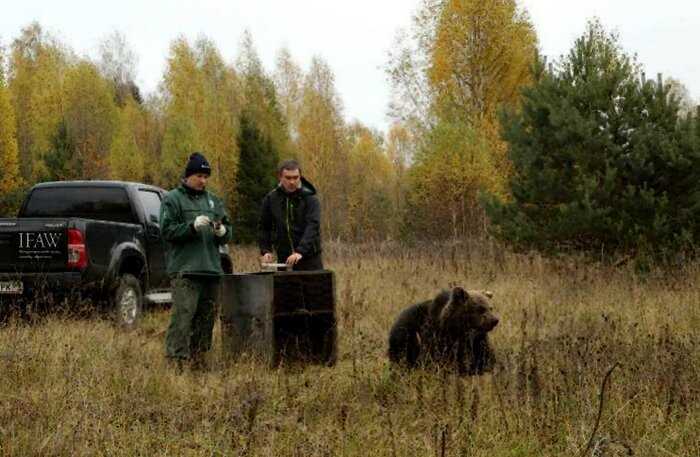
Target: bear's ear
point(459, 295)
point(488, 293)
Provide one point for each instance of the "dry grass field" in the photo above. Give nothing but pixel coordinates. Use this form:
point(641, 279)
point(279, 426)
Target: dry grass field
point(79, 386)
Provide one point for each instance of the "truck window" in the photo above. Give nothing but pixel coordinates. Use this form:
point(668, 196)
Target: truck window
point(151, 204)
point(101, 203)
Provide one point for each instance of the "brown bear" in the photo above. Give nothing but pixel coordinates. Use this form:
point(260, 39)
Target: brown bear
point(450, 330)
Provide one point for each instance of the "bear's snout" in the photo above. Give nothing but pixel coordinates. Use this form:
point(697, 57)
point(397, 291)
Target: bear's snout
point(490, 323)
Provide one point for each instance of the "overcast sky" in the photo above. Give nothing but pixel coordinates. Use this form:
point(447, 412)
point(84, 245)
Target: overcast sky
point(353, 37)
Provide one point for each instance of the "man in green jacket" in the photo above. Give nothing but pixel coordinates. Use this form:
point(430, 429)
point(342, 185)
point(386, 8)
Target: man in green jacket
point(194, 224)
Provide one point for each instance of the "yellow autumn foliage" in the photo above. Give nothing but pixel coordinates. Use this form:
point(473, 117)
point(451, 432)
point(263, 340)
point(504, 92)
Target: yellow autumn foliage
point(10, 178)
point(90, 116)
point(201, 112)
point(369, 185)
point(37, 68)
point(480, 58)
point(126, 159)
point(320, 144)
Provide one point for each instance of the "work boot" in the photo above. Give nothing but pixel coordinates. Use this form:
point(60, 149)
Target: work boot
point(199, 362)
point(176, 364)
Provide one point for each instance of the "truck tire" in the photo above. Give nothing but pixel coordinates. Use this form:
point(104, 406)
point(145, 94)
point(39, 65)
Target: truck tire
point(127, 301)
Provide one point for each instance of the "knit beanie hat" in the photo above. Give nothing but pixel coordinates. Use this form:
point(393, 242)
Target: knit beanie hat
point(197, 164)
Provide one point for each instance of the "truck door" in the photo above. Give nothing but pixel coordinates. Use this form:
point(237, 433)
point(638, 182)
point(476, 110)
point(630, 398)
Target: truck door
point(150, 201)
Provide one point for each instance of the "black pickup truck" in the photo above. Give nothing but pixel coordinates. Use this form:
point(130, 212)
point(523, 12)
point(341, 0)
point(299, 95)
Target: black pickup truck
point(94, 240)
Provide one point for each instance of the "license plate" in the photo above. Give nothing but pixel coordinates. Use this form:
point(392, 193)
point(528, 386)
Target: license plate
point(11, 287)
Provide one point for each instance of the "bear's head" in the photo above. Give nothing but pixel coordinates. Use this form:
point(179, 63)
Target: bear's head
point(469, 309)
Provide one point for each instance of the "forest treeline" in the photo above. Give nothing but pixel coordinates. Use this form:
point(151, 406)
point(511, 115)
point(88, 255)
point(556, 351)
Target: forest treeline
point(486, 135)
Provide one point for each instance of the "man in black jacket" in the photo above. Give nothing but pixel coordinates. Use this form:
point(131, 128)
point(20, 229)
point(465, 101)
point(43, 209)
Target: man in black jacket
point(290, 221)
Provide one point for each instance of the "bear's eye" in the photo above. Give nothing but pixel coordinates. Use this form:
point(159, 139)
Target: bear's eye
point(481, 309)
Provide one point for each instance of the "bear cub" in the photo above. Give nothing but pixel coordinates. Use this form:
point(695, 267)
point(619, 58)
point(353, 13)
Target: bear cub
point(450, 330)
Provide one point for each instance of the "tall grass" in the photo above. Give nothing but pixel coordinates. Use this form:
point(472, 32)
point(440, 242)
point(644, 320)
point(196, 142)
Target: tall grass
point(77, 386)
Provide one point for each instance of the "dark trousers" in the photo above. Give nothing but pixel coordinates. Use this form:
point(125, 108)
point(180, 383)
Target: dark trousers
point(192, 316)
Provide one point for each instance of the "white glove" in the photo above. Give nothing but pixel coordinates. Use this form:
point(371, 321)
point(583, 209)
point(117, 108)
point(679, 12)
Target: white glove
point(220, 230)
point(200, 222)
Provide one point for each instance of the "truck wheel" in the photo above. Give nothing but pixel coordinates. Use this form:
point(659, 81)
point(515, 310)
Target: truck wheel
point(127, 301)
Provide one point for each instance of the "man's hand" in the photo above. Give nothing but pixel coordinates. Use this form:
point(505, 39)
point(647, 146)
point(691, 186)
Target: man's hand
point(293, 259)
point(266, 258)
point(219, 229)
point(200, 222)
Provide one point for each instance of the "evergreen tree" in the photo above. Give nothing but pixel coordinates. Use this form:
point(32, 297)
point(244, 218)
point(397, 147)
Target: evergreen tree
point(59, 155)
point(256, 177)
point(602, 162)
point(262, 140)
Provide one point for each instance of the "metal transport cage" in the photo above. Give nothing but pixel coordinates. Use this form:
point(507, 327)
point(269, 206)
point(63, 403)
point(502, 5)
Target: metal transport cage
point(280, 317)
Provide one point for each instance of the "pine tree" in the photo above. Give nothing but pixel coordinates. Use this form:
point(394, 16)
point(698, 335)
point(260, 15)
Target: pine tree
point(256, 177)
point(58, 158)
point(602, 162)
point(262, 140)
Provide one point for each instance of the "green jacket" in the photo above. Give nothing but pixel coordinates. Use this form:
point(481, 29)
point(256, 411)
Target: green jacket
point(189, 251)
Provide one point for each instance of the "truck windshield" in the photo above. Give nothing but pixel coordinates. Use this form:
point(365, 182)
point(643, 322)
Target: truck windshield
point(101, 203)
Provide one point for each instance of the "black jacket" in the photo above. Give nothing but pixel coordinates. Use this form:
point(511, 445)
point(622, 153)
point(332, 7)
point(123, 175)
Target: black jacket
point(291, 222)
